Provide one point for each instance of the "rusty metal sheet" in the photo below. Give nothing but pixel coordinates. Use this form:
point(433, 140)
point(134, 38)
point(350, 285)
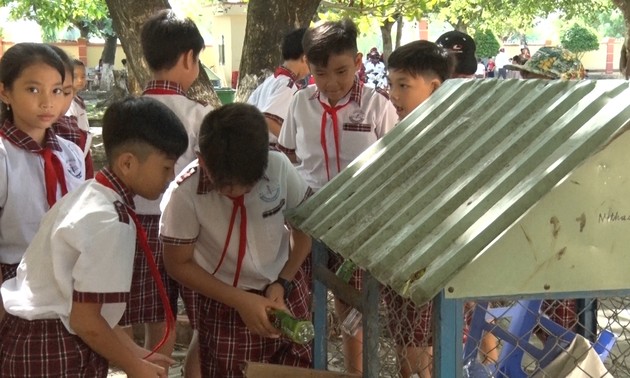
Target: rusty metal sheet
point(419, 205)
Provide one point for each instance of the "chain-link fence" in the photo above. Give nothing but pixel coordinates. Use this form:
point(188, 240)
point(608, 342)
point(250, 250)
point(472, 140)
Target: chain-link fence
point(502, 338)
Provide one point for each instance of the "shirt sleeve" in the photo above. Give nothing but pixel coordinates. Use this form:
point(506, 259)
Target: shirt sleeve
point(179, 223)
point(106, 247)
point(389, 120)
point(278, 103)
point(297, 189)
point(288, 132)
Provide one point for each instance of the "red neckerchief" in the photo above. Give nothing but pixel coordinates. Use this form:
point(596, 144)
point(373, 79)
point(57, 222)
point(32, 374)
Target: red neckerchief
point(144, 245)
point(54, 174)
point(237, 202)
point(332, 110)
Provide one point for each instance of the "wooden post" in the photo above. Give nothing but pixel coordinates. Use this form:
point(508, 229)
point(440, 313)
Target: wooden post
point(1, 47)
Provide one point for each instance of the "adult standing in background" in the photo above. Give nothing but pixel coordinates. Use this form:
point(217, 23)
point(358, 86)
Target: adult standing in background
point(500, 61)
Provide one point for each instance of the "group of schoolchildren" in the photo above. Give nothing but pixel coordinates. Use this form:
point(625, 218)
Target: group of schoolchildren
point(83, 260)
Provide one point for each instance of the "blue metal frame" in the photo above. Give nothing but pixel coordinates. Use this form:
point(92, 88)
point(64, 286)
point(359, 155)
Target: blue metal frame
point(448, 328)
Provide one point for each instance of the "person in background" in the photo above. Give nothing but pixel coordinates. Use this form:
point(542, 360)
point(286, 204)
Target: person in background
point(554, 63)
point(375, 70)
point(481, 69)
point(329, 124)
point(274, 95)
point(171, 48)
point(500, 61)
point(37, 167)
point(463, 48)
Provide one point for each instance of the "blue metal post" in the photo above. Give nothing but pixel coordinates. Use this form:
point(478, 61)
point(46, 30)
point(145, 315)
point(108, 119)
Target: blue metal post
point(371, 296)
point(319, 256)
point(448, 327)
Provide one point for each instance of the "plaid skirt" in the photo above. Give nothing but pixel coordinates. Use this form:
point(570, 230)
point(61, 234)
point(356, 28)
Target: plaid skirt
point(8, 271)
point(408, 324)
point(226, 343)
point(45, 348)
point(145, 305)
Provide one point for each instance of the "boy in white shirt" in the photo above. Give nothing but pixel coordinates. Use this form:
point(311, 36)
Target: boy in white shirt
point(225, 237)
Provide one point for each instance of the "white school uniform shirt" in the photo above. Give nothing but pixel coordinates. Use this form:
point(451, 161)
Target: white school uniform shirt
point(77, 109)
point(23, 187)
point(194, 213)
point(83, 252)
point(274, 95)
point(367, 116)
point(191, 113)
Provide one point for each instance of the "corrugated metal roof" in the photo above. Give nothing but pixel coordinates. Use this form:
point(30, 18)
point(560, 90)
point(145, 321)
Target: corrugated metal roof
point(422, 202)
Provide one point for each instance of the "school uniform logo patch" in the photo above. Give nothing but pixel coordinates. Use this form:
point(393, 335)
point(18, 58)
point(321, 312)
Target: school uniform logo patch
point(358, 116)
point(269, 191)
point(73, 169)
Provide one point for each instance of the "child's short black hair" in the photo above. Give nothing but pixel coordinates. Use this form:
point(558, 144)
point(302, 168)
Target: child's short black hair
point(234, 145)
point(78, 63)
point(135, 123)
point(328, 38)
point(165, 37)
point(421, 58)
point(292, 44)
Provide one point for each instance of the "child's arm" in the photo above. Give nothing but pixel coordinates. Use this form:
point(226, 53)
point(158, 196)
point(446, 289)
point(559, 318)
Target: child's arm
point(91, 327)
point(252, 308)
point(300, 249)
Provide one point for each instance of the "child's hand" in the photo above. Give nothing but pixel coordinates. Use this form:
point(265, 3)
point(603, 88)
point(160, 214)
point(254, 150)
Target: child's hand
point(276, 294)
point(146, 369)
point(159, 359)
point(254, 309)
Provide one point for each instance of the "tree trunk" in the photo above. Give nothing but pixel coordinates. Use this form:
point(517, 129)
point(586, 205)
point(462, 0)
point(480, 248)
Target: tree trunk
point(128, 17)
point(386, 36)
point(400, 22)
point(624, 6)
point(267, 23)
point(108, 57)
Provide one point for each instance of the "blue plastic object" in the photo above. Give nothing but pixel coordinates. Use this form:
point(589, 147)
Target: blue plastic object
point(524, 315)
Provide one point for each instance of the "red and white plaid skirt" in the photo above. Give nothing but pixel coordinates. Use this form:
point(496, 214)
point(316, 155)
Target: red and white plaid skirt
point(45, 348)
point(8, 271)
point(145, 305)
point(226, 343)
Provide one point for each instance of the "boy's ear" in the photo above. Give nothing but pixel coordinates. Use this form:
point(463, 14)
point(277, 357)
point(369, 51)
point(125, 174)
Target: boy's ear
point(189, 59)
point(126, 162)
point(435, 83)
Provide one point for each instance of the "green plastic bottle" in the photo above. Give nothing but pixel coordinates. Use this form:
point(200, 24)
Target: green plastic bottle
point(345, 270)
point(298, 330)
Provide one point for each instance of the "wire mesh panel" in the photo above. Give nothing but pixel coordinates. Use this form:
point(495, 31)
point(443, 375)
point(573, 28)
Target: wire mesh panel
point(502, 338)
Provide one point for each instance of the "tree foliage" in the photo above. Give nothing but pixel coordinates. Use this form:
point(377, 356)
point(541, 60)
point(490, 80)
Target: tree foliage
point(89, 16)
point(579, 39)
point(385, 12)
point(487, 43)
point(510, 17)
